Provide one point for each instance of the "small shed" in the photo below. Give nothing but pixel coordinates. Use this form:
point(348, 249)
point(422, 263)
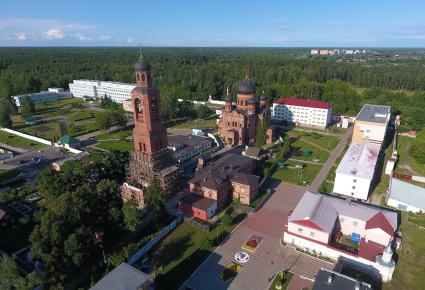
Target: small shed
point(68, 141)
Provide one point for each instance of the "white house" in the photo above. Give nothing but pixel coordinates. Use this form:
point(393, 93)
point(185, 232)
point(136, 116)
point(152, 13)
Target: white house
point(302, 112)
point(53, 94)
point(358, 234)
point(356, 171)
point(117, 92)
point(406, 196)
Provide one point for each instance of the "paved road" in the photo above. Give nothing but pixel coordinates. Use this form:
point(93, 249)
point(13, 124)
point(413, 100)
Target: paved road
point(11, 148)
point(269, 258)
point(331, 160)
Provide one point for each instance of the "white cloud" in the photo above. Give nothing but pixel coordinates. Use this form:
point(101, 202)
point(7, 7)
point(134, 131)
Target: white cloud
point(104, 37)
point(82, 37)
point(54, 33)
point(21, 36)
point(130, 40)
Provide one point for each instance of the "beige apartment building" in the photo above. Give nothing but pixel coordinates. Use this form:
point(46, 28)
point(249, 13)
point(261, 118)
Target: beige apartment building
point(371, 124)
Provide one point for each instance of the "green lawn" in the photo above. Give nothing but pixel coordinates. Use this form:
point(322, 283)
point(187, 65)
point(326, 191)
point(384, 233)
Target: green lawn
point(121, 134)
point(284, 282)
point(294, 176)
point(327, 186)
point(115, 145)
point(299, 146)
point(19, 142)
point(211, 122)
point(325, 141)
point(81, 115)
point(179, 254)
point(406, 163)
point(46, 131)
point(86, 126)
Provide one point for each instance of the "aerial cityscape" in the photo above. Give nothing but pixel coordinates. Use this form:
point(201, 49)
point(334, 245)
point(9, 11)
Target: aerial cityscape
point(212, 145)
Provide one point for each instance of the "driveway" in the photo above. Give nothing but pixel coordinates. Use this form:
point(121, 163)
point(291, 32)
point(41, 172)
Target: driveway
point(269, 258)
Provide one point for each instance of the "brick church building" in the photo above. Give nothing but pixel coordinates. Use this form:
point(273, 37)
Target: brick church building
point(150, 158)
point(238, 123)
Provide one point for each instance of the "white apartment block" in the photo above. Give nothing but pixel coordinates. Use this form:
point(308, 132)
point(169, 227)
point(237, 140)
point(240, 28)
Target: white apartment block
point(53, 94)
point(356, 171)
point(309, 113)
point(117, 92)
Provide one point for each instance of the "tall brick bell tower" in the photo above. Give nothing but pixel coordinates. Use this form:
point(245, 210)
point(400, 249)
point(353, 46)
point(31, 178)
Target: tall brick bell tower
point(150, 158)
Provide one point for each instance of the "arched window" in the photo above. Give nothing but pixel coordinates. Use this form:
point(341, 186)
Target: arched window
point(138, 77)
point(143, 77)
point(144, 147)
point(138, 109)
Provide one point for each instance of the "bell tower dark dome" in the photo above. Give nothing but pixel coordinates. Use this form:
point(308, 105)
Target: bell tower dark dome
point(246, 87)
point(142, 64)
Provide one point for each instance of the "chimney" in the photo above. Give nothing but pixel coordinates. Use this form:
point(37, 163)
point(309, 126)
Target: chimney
point(357, 285)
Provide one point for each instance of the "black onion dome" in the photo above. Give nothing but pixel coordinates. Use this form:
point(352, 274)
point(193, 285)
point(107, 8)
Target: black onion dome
point(142, 65)
point(246, 87)
point(252, 101)
point(228, 98)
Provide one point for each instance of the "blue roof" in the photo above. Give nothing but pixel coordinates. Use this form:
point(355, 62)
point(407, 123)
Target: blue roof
point(408, 193)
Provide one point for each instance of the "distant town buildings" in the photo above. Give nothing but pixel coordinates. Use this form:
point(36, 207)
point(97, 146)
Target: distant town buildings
point(342, 230)
point(371, 124)
point(316, 51)
point(51, 95)
point(238, 124)
point(187, 147)
point(302, 112)
point(117, 92)
point(356, 172)
point(151, 158)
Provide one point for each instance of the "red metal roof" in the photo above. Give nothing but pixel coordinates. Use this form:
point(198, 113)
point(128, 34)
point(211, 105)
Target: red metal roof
point(369, 250)
point(309, 224)
point(303, 103)
point(381, 222)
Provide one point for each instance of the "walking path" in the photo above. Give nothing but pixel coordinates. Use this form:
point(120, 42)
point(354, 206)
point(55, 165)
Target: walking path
point(331, 160)
point(305, 161)
point(12, 148)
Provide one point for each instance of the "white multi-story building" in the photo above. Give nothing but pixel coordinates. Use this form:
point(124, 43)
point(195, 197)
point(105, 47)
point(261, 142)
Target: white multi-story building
point(117, 92)
point(356, 171)
point(53, 94)
point(351, 233)
point(302, 112)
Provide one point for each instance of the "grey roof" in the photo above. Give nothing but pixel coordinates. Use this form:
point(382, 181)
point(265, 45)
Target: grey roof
point(142, 65)
point(252, 151)
point(245, 178)
point(190, 140)
point(338, 282)
point(252, 101)
point(359, 160)
point(322, 210)
point(198, 201)
point(214, 175)
point(123, 277)
point(374, 113)
point(246, 87)
point(408, 193)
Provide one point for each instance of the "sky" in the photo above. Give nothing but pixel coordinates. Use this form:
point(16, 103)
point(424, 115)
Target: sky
point(213, 23)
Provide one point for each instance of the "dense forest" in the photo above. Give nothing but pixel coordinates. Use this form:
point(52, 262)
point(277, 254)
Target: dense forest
point(195, 73)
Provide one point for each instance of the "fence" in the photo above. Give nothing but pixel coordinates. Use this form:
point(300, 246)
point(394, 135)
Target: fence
point(162, 234)
point(39, 140)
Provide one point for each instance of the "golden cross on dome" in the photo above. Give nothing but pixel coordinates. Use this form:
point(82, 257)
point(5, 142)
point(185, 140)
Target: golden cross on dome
point(140, 49)
point(227, 90)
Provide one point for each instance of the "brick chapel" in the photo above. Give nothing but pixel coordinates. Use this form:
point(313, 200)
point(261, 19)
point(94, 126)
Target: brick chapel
point(238, 123)
point(150, 157)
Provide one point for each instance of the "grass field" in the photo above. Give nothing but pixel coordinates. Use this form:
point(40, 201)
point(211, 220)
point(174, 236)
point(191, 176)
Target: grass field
point(406, 163)
point(300, 145)
point(46, 131)
point(294, 176)
point(115, 145)
point(179, 254)
point(325, 141)
point(19, 142)
point(210, 122)
point(121, 134)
